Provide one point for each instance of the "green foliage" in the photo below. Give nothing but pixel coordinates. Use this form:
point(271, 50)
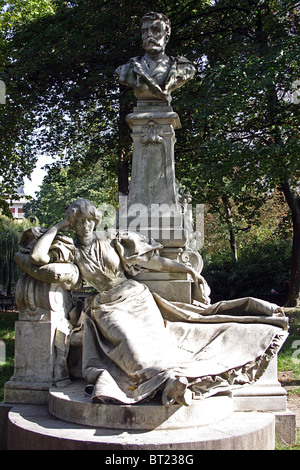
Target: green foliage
point(17, 121)
point(10, 234)
point(287, 361)
point(59, 62)
point(242, 141)
point(7, 335)
point(262, 266)
point(242, 124)
point(59, 189)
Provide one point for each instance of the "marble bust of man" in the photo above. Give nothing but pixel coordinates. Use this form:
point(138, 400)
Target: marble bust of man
point(155, 75)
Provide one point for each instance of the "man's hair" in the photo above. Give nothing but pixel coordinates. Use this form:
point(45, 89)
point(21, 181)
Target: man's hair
point(152, 15)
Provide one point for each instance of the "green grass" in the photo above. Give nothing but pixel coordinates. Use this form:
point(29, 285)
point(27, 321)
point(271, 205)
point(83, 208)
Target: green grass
point(7, 335)
point(289, 365)
point(289, 356)
point(294, 446)
point(285, 357)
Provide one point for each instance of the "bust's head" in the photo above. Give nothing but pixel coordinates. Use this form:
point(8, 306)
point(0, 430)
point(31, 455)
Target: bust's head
point(156, 31)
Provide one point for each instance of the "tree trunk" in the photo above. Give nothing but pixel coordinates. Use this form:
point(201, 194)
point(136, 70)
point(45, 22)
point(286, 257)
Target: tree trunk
point(123, 172)
point(233, 245)
point(229, 221)
point(293, 200)
point(124, 142)
point(291, 196)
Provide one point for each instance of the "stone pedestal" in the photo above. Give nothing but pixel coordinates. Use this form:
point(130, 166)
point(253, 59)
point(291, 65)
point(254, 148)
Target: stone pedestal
point(41, 307)
point(268, 395)
point(175, 287)
point(153, 208)
point(33, 428)
point(153, 172)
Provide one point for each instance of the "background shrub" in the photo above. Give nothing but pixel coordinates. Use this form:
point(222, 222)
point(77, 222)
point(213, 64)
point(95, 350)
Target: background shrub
point(261, 267)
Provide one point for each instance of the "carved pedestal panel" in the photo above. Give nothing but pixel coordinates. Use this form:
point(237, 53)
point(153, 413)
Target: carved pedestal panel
point(153, 207)
point(41, 307)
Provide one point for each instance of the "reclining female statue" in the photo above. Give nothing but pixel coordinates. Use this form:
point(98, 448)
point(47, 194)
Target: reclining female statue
point(135, 343)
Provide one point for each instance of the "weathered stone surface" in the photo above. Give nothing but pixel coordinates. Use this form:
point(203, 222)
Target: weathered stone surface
point(42, 307)
point(155, 75)
point(33, 428)
point(71, 404)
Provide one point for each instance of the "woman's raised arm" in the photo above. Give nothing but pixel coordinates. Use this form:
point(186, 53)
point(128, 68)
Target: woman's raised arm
point(40, 253)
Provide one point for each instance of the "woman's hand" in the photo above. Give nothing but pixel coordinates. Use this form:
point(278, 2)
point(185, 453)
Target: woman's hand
point(40, 254)
point(200, 289)
point(197, 278)
point(63, 225)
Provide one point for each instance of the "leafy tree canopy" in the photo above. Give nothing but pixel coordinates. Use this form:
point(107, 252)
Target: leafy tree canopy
point(59, 63)
point(59, 190)
point(10, 234)
point(240, 127)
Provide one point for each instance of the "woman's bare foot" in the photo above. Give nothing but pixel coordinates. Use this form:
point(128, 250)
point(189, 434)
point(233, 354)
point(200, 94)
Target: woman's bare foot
point(176, 391)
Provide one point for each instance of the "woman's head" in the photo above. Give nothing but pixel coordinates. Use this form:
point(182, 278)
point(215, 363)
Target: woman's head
point(82, 209)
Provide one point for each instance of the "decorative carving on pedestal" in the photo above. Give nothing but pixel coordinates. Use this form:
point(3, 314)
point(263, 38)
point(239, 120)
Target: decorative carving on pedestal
point(44, 301)
point(37, 300)
point(152, 133)
point(153, 206)
point(42, 307)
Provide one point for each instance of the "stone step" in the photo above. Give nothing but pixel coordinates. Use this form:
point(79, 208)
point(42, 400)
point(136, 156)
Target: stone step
point(32, 427)
point(73, 405)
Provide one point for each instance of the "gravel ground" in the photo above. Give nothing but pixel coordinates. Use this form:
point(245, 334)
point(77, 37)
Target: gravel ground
point(293, 404)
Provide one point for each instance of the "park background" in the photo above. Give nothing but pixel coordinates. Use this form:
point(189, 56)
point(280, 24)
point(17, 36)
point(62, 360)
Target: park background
point(237, 152)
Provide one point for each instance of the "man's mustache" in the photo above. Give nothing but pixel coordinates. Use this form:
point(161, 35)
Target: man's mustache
point(150, 41)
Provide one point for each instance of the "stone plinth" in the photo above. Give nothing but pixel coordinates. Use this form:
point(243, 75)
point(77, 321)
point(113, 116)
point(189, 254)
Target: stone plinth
point(73, 405)
point(153, 169)
point(175, 287)
point(41, 307)
point(152, 206)
point(267, 394)
point(33, 428)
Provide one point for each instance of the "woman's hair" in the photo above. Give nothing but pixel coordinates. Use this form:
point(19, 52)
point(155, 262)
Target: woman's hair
point(83, 207)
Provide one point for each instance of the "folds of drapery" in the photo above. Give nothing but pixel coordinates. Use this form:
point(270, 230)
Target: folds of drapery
point(137, 340)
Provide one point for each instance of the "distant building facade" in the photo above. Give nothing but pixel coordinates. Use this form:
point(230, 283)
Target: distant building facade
point(16, 205)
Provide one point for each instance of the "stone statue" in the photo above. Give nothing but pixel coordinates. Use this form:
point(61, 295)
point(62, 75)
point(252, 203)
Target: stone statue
point(56, 264)
point(155, 75)
point(136, 344)
point(148, 332)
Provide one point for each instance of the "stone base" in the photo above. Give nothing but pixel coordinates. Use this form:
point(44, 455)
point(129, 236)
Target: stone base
point(73, 405)
point(267, 394)
point(30, 392)
point(4, 410)
point(285, 426)
point(179, 291)
point(33, 428)
point(254, 398)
